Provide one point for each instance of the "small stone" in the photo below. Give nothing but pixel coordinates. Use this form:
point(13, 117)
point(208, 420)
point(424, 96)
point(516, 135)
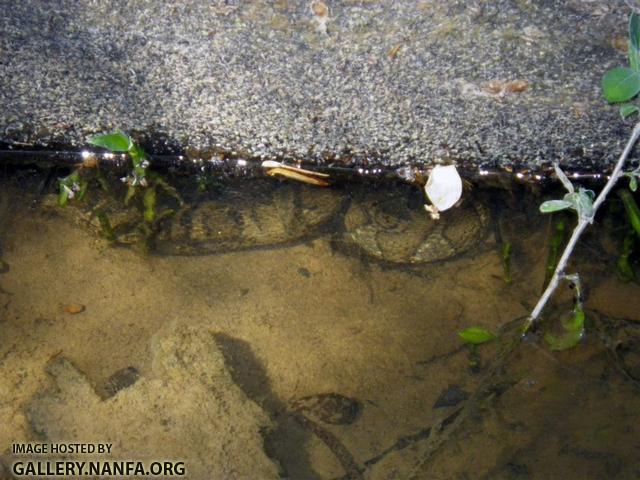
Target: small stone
point(304, 272)
point(120, 380)
point(74, 308)
point(451, 397)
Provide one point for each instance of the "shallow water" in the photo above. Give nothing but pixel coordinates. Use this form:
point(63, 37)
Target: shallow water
point(330, 362)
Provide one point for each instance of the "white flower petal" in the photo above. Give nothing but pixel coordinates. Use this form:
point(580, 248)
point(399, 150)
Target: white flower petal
point(444, 187)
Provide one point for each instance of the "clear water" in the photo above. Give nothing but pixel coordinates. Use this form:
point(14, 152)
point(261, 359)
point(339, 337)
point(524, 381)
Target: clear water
point(312, 318)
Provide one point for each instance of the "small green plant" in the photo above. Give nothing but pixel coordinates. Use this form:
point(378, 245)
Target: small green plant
point(633, 178)
point(555, 248)
point(581, 201)
point(140, 181)
point(473, 337)
point(120, 142)
point(140, 177)
point(622, 84)
point(632, 210)
point(73, 186)
point(625, 270)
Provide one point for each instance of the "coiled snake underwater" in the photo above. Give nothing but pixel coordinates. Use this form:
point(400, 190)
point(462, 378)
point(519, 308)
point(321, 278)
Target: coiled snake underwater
point(388, 225)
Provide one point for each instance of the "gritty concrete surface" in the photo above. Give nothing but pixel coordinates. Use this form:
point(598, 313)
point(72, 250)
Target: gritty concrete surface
point(407, 82)
point(191, 412)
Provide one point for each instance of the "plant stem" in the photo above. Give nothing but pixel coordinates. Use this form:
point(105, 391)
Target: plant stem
point(555, 245)
point(558, 274)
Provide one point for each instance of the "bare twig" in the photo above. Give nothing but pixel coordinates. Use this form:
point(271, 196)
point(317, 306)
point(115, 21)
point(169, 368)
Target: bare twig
point(559, 273)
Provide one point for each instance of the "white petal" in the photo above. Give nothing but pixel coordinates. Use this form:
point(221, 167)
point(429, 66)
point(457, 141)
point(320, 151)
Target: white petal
point(444, 187)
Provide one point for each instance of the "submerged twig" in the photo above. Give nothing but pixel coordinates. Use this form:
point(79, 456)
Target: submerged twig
point(583, 221)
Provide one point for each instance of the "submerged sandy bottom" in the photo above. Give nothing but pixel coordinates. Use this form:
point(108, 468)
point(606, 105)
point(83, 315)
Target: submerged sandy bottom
point(297, 321)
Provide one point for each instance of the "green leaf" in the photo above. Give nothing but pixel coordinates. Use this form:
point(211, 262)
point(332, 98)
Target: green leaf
point(137, 154)
point(576, 322)
point(634, 30)
point(115, 142)
point(562, 342)
point(631, 208)
point(625, 270)
point(574, 330)
point(554, 205)
point(634, 57)
point(583, 203)
point(620, 84)
point(634, 41)
point(627, 110)
point(633, 183)
point(476, 335)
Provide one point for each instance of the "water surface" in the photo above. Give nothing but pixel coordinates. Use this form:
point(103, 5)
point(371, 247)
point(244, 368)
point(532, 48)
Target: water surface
point(308, 316)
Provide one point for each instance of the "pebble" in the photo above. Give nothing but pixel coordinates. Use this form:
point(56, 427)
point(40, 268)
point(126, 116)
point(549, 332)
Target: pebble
point(74, 308)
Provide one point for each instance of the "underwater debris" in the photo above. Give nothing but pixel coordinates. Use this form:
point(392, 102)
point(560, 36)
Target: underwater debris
point(320, 12)
point(74, 308)
point(274, 168)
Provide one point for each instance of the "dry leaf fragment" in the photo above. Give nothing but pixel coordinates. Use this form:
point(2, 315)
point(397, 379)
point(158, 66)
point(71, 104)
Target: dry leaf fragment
point(320, 9)
point(89, 161)
point(494, 86)
point(501, 87)
point(73, 308)
point(395, 51)
point(516, 86)
point(299, 176)
point(620, 43)
point(320, 12)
